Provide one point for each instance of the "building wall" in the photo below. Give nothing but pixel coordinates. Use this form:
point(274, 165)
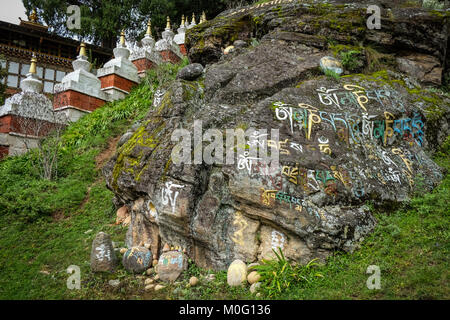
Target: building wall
point(77, 100)
point(114, 80)
point(5, 124)
point(4, 151)
point(13, 145)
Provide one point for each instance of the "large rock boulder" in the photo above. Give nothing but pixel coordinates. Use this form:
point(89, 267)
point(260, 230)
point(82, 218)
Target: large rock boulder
point(316, 23)
point(341, 143)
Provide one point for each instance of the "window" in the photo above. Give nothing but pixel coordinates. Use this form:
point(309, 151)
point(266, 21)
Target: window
point(40, 72)
point(13, 67)
point(25, 69)
point(17, 71)
point(48, 87)
point(49, 74)
point(60, 75)
point(12, 81)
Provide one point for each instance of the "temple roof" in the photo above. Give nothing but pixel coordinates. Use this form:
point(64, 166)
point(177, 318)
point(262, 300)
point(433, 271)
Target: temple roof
point(30, 30)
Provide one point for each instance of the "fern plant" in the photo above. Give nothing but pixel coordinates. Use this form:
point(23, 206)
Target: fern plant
point(332, 75)
point(350, 59)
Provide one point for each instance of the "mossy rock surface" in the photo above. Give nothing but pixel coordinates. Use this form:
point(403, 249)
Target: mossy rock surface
point(342, 141)
point(338, 22)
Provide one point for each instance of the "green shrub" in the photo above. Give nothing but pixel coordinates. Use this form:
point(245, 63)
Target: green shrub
point(332, 75)
point(433, 4)
point(278, 274)
point(350, 59)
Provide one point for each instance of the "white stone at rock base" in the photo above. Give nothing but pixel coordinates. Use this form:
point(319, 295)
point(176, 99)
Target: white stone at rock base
point(159, 287)
point(237, 273)
point(255, 287)
point(114, 283)
point(331, 63)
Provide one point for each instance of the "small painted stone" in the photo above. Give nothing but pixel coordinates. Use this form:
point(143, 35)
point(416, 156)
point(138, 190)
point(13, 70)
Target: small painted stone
point(137, 259)
point(123, 250)
point(171, 264)
point(103, 257)
point(237, 273)
point(330, 63)
point(166, 248)
point(253, 277)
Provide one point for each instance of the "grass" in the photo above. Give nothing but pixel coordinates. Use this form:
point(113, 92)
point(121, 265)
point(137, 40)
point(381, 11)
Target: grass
point(44, 223)
point(47, 226)
point(433, 4)
point(410, 245)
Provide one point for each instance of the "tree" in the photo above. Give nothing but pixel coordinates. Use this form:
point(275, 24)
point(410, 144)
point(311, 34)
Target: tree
point(102, 20)
point(41, 129)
